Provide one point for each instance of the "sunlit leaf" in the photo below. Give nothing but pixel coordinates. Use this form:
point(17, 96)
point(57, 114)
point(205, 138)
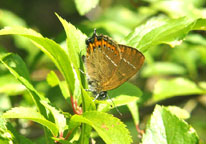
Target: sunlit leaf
point(163, 68)
point(109, 128)
point(59, 118)
point(85, 6)
point(10, 85)
point(31, 114)
point(176, 87)
point(161, 30)
point(125, 94)
point(164, 128)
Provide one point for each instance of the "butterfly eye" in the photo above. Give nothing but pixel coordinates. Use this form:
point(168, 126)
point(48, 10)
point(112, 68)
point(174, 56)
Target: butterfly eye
point(99, 46)
point(87, 42)
point(104, 46)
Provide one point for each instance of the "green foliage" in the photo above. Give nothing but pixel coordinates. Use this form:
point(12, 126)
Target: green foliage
point(85, 6)
point(164, 127)
point(109, 128)
point(165, 88)
point(10, 135)
point(174, 72)
point(31, 114)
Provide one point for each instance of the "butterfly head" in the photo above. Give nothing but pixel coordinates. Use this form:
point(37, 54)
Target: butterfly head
point(91, 39)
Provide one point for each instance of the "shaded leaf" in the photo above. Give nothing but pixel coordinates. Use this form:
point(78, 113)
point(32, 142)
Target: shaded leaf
point(53, 80)
point(8, 134)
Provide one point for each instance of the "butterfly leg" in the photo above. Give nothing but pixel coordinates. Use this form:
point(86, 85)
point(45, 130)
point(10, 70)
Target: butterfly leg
point(101, 95)
point(89, 90)
point(96, 97)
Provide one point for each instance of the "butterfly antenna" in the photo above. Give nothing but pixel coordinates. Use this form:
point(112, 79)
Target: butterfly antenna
point(115, 106)
point(95, 33)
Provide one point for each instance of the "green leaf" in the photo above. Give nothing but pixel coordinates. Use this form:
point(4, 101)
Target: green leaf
point(31, 114)
point(133, 108)
point(161, 30)
point(53, 80)
point(200, 24)
point(162, 68)
point(196, 39)
point(15, 63)
point(3, 141)
point(8, 18)
point(176, 8)
point(126, 89)
point(125, 94)
point(3, 127)
point(76, 45)
point(164, 128)
point(57, 54)
point(10, 135)
point(75, 49)
point(18, 68)
point(11, 86)
point(176, 87)
point(85, 6)
point(59, 118)
point(181, 113)
point(109, 128)
point(5, 102)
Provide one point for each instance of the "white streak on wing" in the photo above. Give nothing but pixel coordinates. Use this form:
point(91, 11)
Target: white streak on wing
point(110, 59)
point(129, 63)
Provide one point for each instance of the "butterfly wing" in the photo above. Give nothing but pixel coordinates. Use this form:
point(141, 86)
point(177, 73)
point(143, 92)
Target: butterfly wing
point(130, 63)
point(102, 60)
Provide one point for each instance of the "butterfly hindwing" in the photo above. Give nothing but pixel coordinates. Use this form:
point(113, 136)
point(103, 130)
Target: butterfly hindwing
point(130, 63)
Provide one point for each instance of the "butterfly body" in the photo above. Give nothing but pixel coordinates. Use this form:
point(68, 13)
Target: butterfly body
point(109, 64)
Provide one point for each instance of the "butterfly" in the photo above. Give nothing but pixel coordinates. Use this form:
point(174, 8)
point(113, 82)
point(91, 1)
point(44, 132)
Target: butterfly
point(109, 64)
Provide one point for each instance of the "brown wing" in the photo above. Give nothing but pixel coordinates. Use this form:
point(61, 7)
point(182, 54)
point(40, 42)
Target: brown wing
point(103, 57)
point(131, 61)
